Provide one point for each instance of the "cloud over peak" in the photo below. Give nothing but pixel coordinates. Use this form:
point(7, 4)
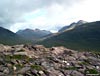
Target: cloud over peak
point(17, 14)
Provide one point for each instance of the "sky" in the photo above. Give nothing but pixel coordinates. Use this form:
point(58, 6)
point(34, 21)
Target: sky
point(46, 14)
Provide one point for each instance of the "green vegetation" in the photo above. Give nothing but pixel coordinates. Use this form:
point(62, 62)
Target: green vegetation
point(7, 58)
point(19, 66)
point(36, 67)
point(83, 63)
point(91, 71)
point(85, 37)
point(9, 38)
point(17, 57)
point(96, 53)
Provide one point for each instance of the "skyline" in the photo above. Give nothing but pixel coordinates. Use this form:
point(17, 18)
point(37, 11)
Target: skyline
point(46, 15)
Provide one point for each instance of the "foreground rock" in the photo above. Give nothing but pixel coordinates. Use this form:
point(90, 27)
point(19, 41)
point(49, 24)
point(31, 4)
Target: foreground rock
point(28, 60)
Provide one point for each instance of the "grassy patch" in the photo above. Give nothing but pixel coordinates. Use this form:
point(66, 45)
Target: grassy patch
point(91, 71)
point(83, 63)
point(19, 57)
point(19, 66)
point(36, 67)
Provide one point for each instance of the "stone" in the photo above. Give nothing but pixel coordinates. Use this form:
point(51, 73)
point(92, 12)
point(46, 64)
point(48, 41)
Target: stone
point(41, 72)
point(6, 71)
point(24, 69)
point(55, 61)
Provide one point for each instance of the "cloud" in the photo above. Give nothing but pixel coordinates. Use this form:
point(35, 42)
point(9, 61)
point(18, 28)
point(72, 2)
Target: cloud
point(46, 14)
point(11, 11)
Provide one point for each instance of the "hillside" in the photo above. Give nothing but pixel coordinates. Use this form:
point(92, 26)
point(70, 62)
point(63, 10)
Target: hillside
point(9, 38)
point(37, 60)
point(84, 37)
point(33, 34)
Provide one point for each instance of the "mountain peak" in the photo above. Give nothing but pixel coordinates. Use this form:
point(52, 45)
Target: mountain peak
point(80, 22)
point(28, 29)
point(72, 25)
point(37, 29)
point(33, 34)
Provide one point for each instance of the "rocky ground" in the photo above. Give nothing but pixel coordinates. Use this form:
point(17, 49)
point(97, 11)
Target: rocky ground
point(28, 60)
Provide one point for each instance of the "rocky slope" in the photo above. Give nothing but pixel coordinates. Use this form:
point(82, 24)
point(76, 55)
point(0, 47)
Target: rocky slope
point(29, 60)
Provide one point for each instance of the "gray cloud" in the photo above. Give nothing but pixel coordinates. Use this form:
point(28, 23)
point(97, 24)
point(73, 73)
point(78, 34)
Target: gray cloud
point(12, 10)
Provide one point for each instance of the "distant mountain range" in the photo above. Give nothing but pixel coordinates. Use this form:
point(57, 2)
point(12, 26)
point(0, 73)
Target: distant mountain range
point(33, 34)
point(22, 36)
point(84, 36)
point(81, 36)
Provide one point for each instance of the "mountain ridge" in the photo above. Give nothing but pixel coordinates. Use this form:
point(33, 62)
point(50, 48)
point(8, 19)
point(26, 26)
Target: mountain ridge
point(33, 34)
point(10, 38)
point(84, 37)
point(72, 25)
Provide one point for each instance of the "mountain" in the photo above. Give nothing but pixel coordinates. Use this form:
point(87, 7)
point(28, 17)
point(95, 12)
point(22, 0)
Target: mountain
point(72, 26)
point(33, 34)
point(80, 22)
point(84, 37)
point(10, 38)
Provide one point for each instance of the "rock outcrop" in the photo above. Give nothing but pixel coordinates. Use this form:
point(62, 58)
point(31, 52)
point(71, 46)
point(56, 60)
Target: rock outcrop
point(29, 60)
